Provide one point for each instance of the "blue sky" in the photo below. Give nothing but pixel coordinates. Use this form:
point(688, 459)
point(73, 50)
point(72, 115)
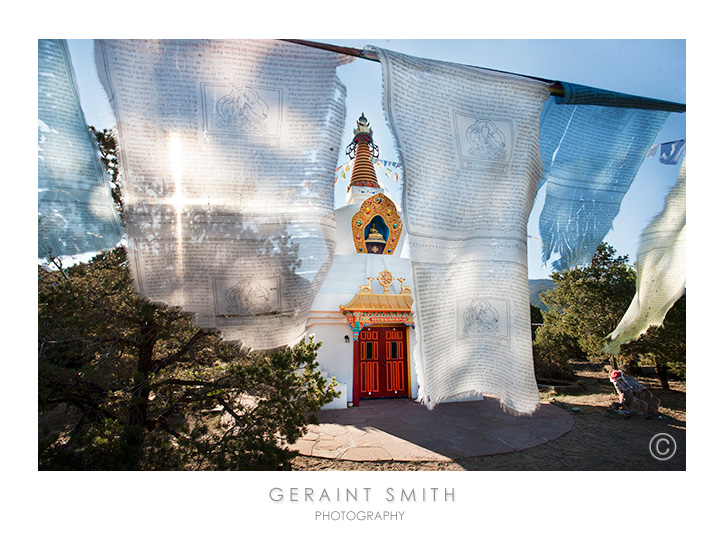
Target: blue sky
point(649, 68)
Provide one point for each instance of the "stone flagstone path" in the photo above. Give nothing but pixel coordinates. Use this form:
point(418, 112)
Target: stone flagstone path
point(404, 430)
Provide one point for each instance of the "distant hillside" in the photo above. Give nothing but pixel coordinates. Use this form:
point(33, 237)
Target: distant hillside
point(537, 287)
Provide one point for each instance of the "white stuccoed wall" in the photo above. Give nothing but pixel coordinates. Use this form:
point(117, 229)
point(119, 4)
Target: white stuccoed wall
point(329, 326)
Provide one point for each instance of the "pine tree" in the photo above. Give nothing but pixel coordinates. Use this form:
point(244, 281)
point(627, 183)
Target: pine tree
point(146, 389)
point(587, 304)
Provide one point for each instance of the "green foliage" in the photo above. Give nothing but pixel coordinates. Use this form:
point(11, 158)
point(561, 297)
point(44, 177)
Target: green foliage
point(108, 147)
point(583, 308)
point(587, 304)
point(664, 347)
point(536, 316)
point(552, 348)
point(149, 390)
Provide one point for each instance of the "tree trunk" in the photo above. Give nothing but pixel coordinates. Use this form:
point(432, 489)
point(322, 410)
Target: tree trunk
point(661, 372)
point(138, 412)
point(633, 368)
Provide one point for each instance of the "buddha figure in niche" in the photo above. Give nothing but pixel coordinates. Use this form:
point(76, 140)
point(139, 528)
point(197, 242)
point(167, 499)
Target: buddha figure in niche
point(374, 235)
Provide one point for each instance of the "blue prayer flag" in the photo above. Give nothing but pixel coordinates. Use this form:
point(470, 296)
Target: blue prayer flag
point(671, 151)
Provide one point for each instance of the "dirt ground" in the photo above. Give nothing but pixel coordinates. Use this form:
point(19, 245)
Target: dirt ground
point(601, 439)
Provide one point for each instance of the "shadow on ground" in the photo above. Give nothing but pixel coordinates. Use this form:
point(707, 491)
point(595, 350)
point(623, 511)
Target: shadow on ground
point(587, 434)
point(403, 430)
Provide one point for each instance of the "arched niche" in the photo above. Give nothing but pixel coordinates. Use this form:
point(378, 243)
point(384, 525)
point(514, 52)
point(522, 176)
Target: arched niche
point(378, 211)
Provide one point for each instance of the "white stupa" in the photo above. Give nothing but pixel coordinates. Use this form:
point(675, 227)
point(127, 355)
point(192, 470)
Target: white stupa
point(362, 313)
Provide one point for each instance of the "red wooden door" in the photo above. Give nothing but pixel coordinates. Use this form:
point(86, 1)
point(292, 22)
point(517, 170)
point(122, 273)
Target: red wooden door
point(383, 362)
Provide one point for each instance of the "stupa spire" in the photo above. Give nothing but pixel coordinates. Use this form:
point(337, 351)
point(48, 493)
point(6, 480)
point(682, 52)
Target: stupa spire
point(362, 149)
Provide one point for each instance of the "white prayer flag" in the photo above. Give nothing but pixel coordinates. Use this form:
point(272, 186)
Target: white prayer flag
point(228, 152)
point(660, 269)
point(468, 141)
point(76, 214)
